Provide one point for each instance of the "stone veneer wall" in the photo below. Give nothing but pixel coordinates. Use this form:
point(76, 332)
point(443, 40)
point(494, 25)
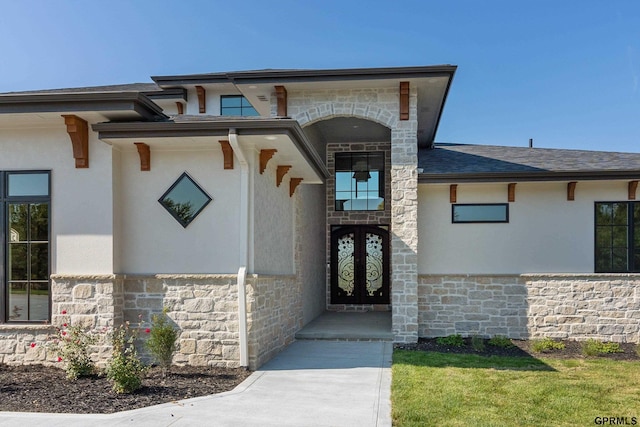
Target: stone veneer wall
point(565, 306)
point(274, 315)
point(203, 307)
point(381, 106)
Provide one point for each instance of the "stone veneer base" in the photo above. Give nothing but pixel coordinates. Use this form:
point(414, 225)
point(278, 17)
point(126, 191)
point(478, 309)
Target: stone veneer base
point(563, 306)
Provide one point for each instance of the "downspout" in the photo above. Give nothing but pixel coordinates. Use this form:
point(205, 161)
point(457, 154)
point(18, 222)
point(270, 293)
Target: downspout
point(244, 247)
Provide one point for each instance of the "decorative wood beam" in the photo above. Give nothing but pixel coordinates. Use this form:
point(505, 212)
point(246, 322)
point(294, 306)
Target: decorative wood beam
point(180, 106)
point(633, 185)
point(145, 156)
point(453, 193)
point(280, 173)
point(512, 192)
point(571, 190)
point(227, 152)
point(202, 99)
point(404, 100)
point(78, 131)
point(281, 95)
point(265, 156)
point(293, 183)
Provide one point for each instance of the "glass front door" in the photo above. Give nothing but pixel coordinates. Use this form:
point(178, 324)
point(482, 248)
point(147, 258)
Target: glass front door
point(359, 265)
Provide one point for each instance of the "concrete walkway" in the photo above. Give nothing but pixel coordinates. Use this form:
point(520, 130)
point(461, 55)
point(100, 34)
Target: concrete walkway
point(311, 383)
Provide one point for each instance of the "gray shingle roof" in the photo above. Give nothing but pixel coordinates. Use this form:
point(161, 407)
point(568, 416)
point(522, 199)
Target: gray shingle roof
point(131, 87)
point(460, 160)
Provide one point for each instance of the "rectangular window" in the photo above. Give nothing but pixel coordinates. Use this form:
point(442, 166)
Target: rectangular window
point(25, 249)
point(236, 105)
point(359, 181)
point(490, 212)
point(617, 237)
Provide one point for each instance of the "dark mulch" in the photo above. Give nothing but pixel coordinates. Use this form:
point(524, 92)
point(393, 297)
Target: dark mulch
point(521, 348)
point(36, 388)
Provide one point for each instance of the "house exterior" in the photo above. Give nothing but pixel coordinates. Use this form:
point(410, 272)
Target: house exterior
point(248, 203)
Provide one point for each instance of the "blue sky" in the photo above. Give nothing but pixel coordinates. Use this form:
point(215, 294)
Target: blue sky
point(565, 73)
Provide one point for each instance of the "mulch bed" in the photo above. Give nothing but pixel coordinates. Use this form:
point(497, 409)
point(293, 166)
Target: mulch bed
point(521, 348)
point(36, 388)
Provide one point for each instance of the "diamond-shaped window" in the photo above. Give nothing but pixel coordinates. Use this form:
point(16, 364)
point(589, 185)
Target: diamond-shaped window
point(185, 200)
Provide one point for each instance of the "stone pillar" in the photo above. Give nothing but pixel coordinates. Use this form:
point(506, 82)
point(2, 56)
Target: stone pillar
point(404, 227)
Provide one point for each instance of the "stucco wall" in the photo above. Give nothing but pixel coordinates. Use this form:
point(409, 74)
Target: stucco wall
point(81, 202)
point(310, 249)
point(546, 233)
point(273, 222)
point(152, 241)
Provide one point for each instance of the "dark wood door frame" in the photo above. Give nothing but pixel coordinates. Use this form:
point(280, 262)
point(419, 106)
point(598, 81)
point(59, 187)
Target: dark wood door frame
point(360, 272)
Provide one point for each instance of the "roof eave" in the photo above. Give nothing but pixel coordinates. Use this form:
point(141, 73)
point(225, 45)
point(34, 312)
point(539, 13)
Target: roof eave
point(488, 177)
point(78, 102)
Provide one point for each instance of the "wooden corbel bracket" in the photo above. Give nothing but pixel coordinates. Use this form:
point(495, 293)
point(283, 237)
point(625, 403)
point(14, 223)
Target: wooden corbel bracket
point(281, 96)
point(571, 190)
point(281, 171)
point(265, 156)
point(78, 131)
point(227, 152)
point(511, 192)
point(453, 193)
point(202, 99)
point(633, 186)
point(404, 100)
point(145, 156)
point(293, 184)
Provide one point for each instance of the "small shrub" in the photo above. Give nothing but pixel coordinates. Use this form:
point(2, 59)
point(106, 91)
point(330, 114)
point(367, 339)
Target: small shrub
point(501, 341)
point(162, 340)
point(477, 343)
point(451, 340)
point(71, 345)
point(593, 347)
point(125, 368)
point(546, 344)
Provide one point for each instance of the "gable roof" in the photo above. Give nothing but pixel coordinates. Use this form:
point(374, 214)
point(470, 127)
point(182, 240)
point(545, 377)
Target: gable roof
point(480, 163)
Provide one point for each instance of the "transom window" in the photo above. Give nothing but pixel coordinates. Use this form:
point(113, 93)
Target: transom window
point(236, 105)
point(359, 181)
point(487, 212)
point(25, 252)
point(617, 237)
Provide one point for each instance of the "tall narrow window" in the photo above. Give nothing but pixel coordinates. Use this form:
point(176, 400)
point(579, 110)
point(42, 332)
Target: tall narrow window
point(617, 237)
point(359, 181)
point(236, 105)
point(25, 201)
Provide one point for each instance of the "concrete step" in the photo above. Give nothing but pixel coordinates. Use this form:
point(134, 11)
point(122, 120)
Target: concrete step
point(348, 326)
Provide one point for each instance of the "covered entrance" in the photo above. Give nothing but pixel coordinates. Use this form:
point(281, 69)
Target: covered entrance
point(360, 264)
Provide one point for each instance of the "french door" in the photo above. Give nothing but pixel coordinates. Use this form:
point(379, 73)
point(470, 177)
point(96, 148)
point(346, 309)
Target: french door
point(359, 265)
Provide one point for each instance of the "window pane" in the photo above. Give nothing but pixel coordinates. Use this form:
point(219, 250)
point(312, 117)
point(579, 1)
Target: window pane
point(28, 184)
point(231, 101)
point(18, 261)
point(232, 111)
point(619, 259)
point(18, 296)
point(604, 213)
point(603, 259)
point(18, 222)
point(620, 214)
point(39, 301)
point(39, 261)
point(343, 181)
point(39, 225)
point(619, 236)
point(249, 112)
point(603, 237)
point(480, 213)
point(185, 200)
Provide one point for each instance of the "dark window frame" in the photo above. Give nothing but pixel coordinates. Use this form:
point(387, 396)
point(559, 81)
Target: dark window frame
point(500, 221)
point(631, 265)
point(249, 107)
point(381, 179)
point(170, 209)
point(5, 201)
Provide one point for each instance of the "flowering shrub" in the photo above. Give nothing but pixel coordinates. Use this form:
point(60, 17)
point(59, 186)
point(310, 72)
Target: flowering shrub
point(71, 344)
point(162, 340)
point(125, 368)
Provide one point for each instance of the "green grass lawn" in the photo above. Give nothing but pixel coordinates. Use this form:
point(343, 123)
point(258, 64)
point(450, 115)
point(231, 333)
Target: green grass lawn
point(434, 389)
